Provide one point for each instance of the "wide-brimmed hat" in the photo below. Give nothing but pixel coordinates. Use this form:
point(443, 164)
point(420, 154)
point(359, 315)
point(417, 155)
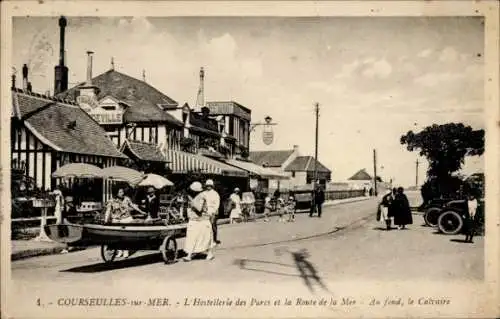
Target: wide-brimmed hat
point(209, 182)
point(196, 187)
point(151, 190)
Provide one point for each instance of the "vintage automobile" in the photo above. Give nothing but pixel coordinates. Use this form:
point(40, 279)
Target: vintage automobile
point(433, 210)
point(452, 215)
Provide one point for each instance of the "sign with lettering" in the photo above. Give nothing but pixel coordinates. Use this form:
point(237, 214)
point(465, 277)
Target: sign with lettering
point(107, 117)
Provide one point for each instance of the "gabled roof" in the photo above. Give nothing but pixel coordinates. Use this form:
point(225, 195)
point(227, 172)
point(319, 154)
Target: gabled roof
point(306, 164)
point(145, 101)
point(361, 175)
point(145, 151)
point(62, 126)
point(270, 158)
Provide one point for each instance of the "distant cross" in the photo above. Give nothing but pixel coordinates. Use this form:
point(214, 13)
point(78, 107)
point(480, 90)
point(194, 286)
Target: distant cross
point(144, 75)
point(112, 63)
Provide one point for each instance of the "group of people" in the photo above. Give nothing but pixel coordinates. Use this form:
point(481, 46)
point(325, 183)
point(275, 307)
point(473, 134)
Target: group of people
point(121, 209)
point(395, 206)
point(203, 208)
point(282, 207)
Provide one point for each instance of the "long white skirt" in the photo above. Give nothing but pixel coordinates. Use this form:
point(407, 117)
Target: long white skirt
point(235, 213)
point(384, 213)
point(199, 236)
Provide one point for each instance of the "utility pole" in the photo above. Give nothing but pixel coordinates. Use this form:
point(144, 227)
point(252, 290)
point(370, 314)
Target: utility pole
point(375, 192)
point(416, 172)
point(315, 176)
point(316, 110)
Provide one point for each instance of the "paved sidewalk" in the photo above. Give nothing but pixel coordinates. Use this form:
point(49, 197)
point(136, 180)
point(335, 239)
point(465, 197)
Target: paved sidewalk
point(21, 249)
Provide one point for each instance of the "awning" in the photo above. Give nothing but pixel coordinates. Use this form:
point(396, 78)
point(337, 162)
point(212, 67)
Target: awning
point(255, 169)
point(182, 162)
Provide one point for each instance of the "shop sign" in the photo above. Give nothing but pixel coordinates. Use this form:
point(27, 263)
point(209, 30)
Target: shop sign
point(268, 135)
point(107, 117)
point(253, 183)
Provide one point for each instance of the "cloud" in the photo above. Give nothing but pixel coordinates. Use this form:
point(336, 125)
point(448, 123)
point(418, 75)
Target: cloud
point(425, 53)
point(434, 79)
point(449, 54)
point(348, 69)
point(379, 69)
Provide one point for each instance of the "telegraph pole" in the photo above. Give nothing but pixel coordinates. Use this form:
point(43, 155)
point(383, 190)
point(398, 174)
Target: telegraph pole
point(316, 110)
point(375, 192)
point(315, 176)
point(416, 172)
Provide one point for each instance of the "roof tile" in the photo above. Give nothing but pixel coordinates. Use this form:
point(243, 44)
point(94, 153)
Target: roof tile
point(145, 101)
point(270, 158)
point(54, 122)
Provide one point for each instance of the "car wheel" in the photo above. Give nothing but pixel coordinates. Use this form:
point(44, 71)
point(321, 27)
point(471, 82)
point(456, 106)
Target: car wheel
point(431, 216)
point(450, 222)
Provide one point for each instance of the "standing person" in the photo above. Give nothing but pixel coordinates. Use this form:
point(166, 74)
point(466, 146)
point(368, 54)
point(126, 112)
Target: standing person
point(212, 199)
point(402, 209)
point(267, 207)
point(152, 203)
point(279, 205)
point(59, 201)
point(471, 220)
point(199, 234)
point(385, 206)
point(319, 199)
point(235, 205)
point(291, 209)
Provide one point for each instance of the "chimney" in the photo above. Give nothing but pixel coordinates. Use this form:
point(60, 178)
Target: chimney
point(14, 78)
point(296, 148)
point(25, 77)
point(61, 71)
point(200, 101)
point(89, 68)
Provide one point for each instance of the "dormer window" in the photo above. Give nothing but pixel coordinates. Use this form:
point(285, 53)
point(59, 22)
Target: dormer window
point(109, 107)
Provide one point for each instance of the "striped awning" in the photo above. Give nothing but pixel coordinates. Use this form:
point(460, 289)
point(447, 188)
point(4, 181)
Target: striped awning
point(258, 170)
point(182, 163)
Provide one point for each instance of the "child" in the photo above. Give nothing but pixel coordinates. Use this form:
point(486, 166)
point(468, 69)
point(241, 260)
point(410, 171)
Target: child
point(267, 207)
point(280, 207)
point(290, 209)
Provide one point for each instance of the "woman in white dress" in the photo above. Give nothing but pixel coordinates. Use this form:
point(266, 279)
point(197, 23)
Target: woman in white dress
point(236, 205)
point(199, 235)
point(59, 199)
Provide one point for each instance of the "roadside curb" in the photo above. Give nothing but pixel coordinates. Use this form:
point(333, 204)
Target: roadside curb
point(45, 251)
point(36, 252)
point(224, 221)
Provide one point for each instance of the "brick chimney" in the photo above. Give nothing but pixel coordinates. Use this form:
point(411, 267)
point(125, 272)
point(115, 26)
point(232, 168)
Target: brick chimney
point(25, 77)
point(61, 71)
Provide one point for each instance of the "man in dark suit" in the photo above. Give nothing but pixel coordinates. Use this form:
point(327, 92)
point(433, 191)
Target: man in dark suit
point(319, 199)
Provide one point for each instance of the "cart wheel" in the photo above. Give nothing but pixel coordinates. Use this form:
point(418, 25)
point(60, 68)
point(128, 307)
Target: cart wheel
point(431, 216)
point(169, 250)
point(107, 254)
point(450, 222)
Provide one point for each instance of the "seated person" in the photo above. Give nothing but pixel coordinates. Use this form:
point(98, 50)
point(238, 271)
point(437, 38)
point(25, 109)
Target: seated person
point(118, 210)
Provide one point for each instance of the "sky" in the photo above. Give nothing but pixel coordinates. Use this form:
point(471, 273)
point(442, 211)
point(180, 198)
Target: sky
point(375, 78)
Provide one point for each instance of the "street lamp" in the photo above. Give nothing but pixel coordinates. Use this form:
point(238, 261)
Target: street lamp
point(267, 122)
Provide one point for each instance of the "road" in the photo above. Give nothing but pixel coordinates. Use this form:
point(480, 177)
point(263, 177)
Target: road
point(338, 244)
point(310, 255)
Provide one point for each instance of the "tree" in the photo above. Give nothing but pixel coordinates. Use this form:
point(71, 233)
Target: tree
point(445, 147)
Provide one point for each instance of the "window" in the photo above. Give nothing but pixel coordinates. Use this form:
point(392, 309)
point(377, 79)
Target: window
point(293, 174)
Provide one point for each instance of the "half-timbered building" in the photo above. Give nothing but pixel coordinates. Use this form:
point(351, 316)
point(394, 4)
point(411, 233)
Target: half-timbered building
point(47, 133)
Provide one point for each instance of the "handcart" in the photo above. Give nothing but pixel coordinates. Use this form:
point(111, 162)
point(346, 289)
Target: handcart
point(247, 206)
point(115, 237)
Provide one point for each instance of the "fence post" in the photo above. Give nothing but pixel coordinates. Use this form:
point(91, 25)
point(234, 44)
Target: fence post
point(42, 236)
